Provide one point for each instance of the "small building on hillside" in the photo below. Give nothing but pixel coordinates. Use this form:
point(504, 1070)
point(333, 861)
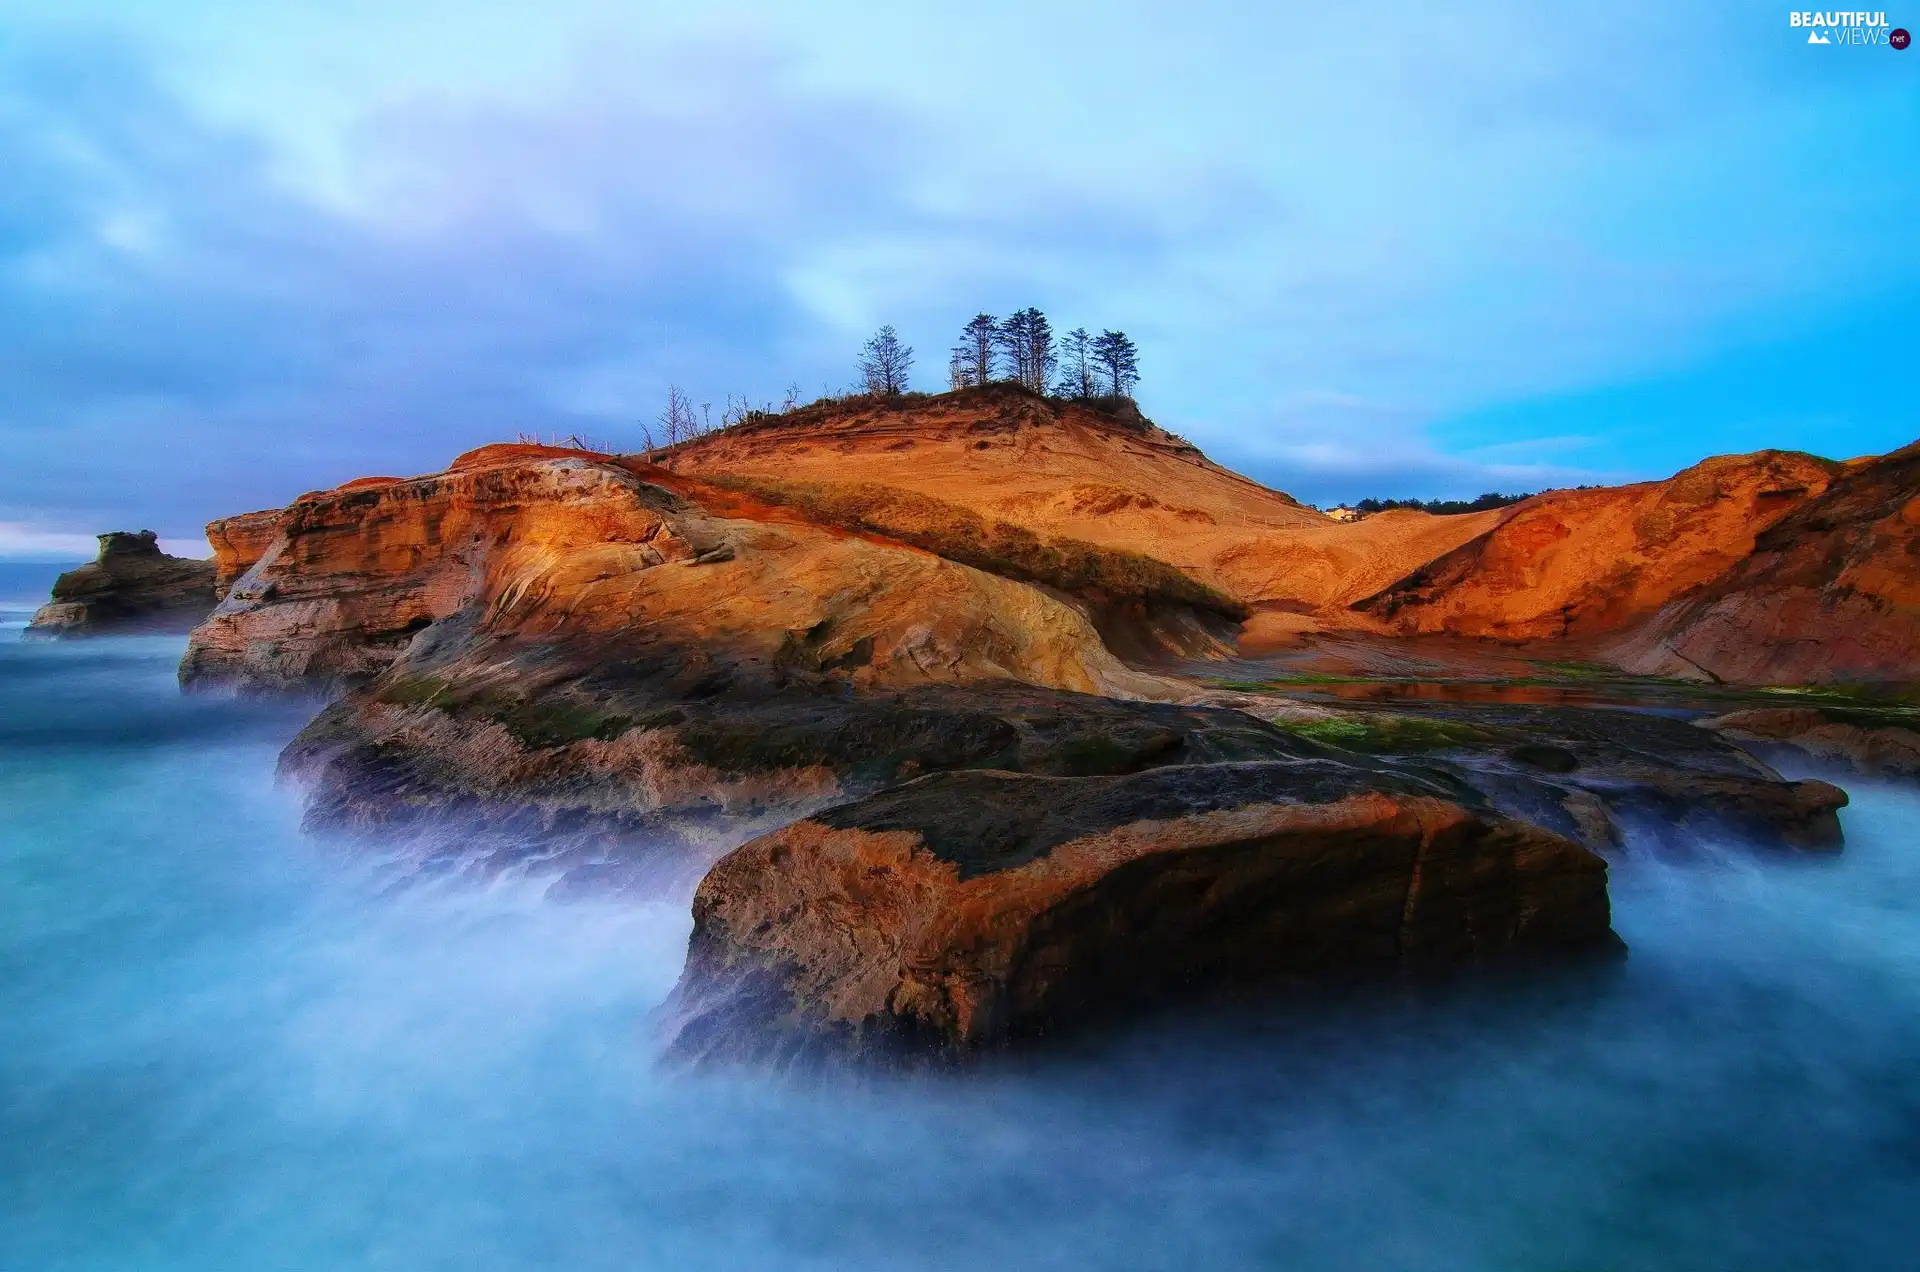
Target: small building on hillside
point(1344, 513)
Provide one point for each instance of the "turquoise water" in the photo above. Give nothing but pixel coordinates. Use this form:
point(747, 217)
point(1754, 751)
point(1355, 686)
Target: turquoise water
point(226, 1046)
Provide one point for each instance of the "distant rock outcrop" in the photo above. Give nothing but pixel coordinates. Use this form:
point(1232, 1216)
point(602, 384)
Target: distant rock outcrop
point(132, 587)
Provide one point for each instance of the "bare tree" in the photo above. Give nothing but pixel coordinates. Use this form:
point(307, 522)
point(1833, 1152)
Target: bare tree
point(678, 421)
point(885, 362)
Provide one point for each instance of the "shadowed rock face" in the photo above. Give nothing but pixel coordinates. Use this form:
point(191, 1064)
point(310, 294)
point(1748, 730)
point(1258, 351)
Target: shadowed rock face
point(132, 587)
point(1588, 774)
point(966, 911)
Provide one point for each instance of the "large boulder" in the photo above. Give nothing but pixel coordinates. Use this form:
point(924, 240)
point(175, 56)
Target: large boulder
point(132, 587)
point(966, 911)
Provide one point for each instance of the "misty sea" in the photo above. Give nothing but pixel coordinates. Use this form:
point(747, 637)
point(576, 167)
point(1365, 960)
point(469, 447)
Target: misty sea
point(228, 1045)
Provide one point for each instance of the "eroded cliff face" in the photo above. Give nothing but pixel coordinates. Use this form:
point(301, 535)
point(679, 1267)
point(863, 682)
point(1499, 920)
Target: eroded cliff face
point(1830, 592)
point(1584, 563)
point(527, 545)
point(238, 542)
point(589, 649)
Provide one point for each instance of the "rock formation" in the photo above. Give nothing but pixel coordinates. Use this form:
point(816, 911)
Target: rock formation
point(1583, 563)
point(964, 911)
point(1067, 471)
point(1830, 593)
point(131, 588)
point(1878, 742)
point(948, 634)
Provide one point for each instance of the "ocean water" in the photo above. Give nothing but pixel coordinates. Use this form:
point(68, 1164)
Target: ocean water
point(226, 1046)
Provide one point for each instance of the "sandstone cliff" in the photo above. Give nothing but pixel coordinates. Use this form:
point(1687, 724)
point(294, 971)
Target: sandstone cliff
point(1064, 471)
point(1581, 563)
point(1830, 592)
point(132, 587)
point(540, 545)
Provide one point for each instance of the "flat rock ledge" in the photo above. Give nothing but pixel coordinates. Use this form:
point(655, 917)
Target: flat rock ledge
point(966, 912)
point(1876, 742)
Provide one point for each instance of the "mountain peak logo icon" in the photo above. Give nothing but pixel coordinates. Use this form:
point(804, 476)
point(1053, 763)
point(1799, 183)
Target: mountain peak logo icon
point(1814, 37)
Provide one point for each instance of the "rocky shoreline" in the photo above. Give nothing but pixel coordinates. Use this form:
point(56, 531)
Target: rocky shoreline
point(930, 810)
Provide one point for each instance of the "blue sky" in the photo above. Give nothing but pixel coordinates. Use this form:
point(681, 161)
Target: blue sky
point(249, 250)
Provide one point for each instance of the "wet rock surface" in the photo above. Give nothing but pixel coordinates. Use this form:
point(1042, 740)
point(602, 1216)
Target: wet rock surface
point(1876, 742)
point(1585, 772)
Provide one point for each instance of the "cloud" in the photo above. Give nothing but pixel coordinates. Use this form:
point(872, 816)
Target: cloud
point(1349, 242)
point(185, 336)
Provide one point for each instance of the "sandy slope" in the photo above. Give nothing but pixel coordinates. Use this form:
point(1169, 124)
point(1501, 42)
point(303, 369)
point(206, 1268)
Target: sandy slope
point(1065, 471)
point(1830, 592)
point(1580, 563)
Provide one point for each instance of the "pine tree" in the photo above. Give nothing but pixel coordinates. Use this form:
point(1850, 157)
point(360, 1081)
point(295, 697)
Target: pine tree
point(973, 358)
point(1119, 361)
point(884, 363)
point(1041, 358)
point(1077, 378)
point(1011, 337)
point(1027, 339)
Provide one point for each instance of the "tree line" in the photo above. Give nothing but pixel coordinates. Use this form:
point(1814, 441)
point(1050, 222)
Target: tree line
point(1018, 349)
point(1021, 348)
point(1442, 507)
